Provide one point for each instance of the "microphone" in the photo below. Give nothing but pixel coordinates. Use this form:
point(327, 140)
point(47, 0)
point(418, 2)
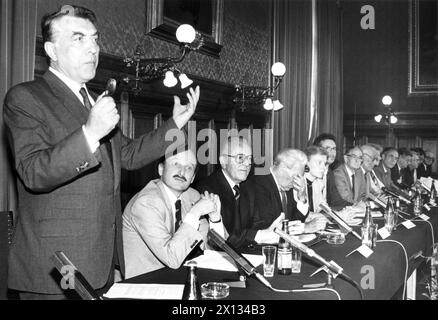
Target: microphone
point(393, 194)
point(240, 260)
point(310, 252)
point(376, 200)
point(111, 86)
point(339, 220)
point(422, 185)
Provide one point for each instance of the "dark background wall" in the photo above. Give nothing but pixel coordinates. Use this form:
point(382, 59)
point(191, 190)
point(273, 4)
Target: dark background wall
point(245, 56)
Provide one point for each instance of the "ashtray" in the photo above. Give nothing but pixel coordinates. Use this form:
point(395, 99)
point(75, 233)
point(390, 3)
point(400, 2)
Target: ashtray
point(215, 290)
point(335, 238)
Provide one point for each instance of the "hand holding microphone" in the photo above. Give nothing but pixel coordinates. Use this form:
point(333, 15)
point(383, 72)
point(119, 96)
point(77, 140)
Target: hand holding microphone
point(103, 116)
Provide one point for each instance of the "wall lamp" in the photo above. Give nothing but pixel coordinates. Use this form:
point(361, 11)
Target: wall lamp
point(261, 95)
point(389, 116)
point(150, 69)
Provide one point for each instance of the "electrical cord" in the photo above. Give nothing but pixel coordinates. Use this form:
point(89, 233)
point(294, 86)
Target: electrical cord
point(406, 260)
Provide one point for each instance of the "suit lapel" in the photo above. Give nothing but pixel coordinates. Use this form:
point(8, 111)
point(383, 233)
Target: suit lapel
point(169, 206)
point(231, 218)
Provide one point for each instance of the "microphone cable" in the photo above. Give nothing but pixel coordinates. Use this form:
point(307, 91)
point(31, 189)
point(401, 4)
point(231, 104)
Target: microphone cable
point(406, 260)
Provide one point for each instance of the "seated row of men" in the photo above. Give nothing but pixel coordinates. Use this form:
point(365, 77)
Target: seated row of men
point(168, 220)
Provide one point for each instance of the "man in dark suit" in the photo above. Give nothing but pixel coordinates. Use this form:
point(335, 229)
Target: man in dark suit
point(237, 197)
point(398, 171)
point(68, 153)
point(383, 170)
point(411, 174)
point(423, 169)
point(327, 141)
point(282, 194)
point(428, 161)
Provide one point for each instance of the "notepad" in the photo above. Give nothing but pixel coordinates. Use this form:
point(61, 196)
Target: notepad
point(145, 291)
point(221, 261)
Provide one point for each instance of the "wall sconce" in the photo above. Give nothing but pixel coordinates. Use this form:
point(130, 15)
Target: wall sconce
point(150, 69)
point(261, 95)
point(389, 116)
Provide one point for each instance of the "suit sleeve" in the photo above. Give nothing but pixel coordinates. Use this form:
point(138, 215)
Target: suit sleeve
point(136, 153)
point(42, 162)
point(148, 218)
point(335, 198)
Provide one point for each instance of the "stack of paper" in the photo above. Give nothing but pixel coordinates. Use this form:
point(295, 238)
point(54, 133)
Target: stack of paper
point(145, 291)
point(221, 261)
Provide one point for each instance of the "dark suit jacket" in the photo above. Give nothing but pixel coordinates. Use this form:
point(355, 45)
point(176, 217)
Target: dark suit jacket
point(68, 197)
point(239, 225)
point(424, 170)
point(408, 177)
point(268, 206)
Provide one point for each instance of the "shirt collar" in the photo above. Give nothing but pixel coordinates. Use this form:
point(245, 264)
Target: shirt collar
point(71, 84)
point(349, 171)
point(172, 197)
point(229, 180)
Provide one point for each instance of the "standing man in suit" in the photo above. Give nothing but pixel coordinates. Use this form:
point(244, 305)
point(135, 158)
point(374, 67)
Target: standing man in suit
point(237, 197)
point(282, 194)
point(164, 222)
point(398, 171)
point(68, 153)
point(347, 182)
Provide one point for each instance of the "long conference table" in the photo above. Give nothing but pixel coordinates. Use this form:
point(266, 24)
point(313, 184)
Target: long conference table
point(381, 276)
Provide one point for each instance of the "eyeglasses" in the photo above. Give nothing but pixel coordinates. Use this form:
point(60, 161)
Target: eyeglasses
point(241, 158)
point(355, 157)
point(372, 158)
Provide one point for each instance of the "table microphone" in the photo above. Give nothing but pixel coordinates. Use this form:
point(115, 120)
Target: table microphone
point(376, 200)
point(422, 185)
point(310, 252)
point(240, 260)
point(339, 220)
point(111, 86)
point(393, 194)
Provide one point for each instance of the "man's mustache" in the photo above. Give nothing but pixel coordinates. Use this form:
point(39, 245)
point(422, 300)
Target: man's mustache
point(181, 177)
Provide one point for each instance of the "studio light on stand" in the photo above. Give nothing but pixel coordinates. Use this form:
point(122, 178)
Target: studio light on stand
point(257, 95)
point(389, 118)
point(150, 69)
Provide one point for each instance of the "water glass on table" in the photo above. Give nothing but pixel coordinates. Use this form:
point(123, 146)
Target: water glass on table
point(296, 260)
point(269, 254)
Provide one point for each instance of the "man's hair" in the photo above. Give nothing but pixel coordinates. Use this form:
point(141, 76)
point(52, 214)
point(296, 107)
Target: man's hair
point(419, 151)
point(291, 155)
point(66, 10)
point(323, 136)
point(415, 151)
point(369, 146)
point(404, 152)
point(388, 149)
point(314, 150)
point(377, 147)
point(351, 148)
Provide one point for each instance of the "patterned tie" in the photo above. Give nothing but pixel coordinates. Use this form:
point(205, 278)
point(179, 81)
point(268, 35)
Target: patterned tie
point(237, 192)
point(352, 184)
point(84, 95)
point(310, 194)
point(283, 201)
point(177, 214)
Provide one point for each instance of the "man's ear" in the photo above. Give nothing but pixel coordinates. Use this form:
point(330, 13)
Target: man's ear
point(345, 159)
point(49, 47)
point(223, 161)
point(160, 169)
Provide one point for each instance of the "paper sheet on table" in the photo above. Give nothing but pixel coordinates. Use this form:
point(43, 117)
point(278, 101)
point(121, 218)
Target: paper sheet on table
point(145, 291)
point(428, 181)
point(221, 261)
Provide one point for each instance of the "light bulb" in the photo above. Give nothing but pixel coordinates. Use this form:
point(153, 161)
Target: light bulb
point(277, 105)
point(386, 100)
point(185, 81)
point(268, 104)
point(169, 79)
point(393, 119)
point(278, 69)
point(185, 33)
point(378, 118)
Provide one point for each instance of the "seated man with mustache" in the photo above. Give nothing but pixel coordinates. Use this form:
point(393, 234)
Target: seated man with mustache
point(164, 222)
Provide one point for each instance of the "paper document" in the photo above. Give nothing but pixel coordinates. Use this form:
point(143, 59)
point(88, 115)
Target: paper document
point(145, 291)
point(221, 261)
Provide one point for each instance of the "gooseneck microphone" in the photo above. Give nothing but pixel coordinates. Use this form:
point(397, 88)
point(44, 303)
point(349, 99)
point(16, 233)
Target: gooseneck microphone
point(111, 86)
point(393, 194)
point(337, 270)
point(240, 260)
point(376, 200)
point(339, 220)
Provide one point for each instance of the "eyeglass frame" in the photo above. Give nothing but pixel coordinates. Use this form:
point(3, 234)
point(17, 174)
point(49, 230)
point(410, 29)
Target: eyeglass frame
point(355, 157)
point(241, 161)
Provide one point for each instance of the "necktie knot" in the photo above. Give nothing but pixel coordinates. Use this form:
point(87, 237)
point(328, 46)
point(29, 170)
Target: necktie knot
point(85, 98)
point(236, 192)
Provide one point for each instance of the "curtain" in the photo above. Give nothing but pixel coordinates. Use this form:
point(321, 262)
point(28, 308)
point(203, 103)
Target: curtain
point(307, 39)
point(17, 60)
